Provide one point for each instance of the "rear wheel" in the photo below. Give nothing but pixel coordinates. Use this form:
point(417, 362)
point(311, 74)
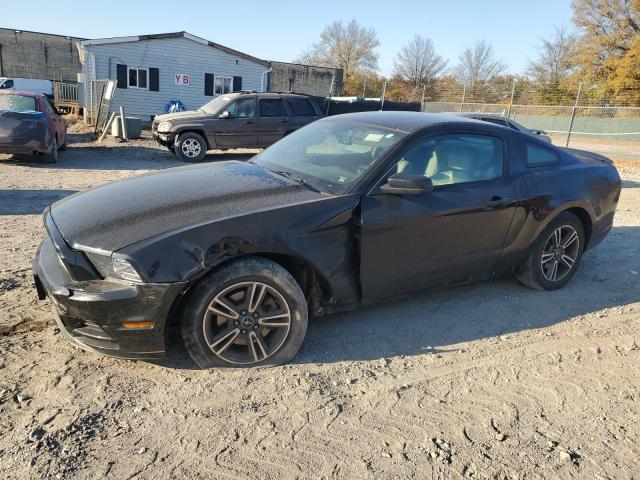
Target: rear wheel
point(251, 312)
point(555, 255)
point(191, 147)
point(52, 156)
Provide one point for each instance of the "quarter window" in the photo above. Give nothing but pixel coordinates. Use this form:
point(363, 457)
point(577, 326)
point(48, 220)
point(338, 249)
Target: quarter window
point(301, 107)
point(538, 156)
point(138, 78)
point(223, 85)
point(272, 108)
point(451, 159)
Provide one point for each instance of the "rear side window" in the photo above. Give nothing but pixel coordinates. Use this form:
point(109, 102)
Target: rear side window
point(538, 156)
point(17, 102)
point(272, 108)
point(301, 107)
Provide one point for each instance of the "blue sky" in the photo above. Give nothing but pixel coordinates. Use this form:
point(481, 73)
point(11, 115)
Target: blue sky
point(280, 30)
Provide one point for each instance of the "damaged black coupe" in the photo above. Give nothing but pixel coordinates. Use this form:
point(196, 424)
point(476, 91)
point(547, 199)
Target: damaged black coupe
point(345, 211)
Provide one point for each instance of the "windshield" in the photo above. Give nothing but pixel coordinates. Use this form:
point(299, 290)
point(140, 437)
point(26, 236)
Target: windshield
point(215, 105)
point(331, 154)
point(17, 102)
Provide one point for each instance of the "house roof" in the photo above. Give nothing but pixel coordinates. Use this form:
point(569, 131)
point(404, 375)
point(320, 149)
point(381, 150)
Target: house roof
point(158, 36)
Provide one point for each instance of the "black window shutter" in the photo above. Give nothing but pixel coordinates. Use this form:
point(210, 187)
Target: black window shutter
point(154, 79)
point(237, 84)
point(208, 84)
point(122, 76)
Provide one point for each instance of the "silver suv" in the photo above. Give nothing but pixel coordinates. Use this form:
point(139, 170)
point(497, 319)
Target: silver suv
point(234, 120)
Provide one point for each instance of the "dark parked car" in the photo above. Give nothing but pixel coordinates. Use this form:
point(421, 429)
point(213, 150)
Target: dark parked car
point(505, 122)
point(30, 125)
point(235, 120)
point(347, 210)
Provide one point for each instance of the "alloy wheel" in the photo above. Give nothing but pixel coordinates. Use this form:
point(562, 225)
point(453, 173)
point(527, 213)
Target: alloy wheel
point(247, 323)
point(191, 148)
point(560, 253)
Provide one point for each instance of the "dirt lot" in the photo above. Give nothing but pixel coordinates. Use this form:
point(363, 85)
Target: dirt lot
point(486, 381)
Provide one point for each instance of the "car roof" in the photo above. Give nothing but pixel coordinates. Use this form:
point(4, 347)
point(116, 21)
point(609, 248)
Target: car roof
point(22, 94)
point(404, 121)
point(480, 114)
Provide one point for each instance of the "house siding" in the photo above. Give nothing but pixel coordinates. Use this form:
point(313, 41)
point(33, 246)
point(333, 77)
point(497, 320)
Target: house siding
point(170, 56)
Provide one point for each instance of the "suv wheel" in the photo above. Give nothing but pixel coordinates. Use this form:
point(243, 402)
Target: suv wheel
point(251, 312)
point(555, 255)
point(191, 147)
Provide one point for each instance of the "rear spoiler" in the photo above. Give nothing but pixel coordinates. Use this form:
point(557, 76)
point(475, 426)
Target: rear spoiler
point(585, 155)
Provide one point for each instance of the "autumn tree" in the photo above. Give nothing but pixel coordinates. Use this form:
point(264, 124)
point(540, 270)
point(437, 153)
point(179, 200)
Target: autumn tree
point(478, 64)
point(350, 47)
point(417, 65)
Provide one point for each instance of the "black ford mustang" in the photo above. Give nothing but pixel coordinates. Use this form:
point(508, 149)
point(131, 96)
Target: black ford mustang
point(345, 211)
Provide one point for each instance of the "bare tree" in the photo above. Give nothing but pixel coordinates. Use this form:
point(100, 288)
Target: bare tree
point(556, 58)
point(418, 63)
point(350, 47)
point(478, 64)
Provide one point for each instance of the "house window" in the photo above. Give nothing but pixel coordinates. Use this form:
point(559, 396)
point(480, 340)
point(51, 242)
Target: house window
point(223, 85)
point(138, 78)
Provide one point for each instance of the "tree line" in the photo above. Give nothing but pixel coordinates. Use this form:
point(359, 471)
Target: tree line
point(601, 51)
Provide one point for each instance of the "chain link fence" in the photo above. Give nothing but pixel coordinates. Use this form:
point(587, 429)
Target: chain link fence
point(588, 121)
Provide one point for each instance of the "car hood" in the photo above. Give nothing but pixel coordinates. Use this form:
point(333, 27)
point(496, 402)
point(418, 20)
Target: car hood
point(179, 117)
point(118, 214)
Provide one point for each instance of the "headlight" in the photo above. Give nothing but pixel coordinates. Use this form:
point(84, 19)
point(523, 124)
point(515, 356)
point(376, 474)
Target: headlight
point(164, 127)
point(113, 266)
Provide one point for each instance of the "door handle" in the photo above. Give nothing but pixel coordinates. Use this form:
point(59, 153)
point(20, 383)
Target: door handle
point(498, 201)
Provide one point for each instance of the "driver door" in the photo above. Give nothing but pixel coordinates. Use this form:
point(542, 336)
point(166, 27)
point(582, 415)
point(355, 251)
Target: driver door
point(239, 129)
point(409, 242)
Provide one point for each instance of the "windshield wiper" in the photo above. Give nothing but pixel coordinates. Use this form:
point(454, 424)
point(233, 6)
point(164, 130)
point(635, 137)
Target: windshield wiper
point(291, 176)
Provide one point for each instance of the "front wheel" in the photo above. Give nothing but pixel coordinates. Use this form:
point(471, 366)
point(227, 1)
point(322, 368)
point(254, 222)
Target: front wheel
point(555, 255)
point(191, 147)
point(251, 312)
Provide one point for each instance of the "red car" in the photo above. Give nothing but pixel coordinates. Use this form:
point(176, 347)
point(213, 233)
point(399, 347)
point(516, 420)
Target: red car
point(31, 125)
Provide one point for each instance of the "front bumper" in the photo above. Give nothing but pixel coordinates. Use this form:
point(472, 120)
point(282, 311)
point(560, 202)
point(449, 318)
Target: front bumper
point(165, 139)
point(91, 313)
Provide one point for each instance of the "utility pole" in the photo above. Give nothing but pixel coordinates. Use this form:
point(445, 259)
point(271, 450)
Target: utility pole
point(424, 86)
point(573, 113)
point(464, 93)
point(513, 91)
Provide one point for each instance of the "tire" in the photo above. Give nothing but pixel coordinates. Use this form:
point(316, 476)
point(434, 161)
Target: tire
point(191, 147)
point(52, 156)
point(228, 334)
point(537, 270)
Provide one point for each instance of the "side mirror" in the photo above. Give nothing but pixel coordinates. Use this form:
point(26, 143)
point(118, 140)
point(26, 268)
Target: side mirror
point(224, 114)
point(407, 184)
point(539, 132)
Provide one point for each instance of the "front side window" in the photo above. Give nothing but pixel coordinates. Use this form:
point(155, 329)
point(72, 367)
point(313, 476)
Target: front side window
point(331, 154)
point(451, 159)
point(538, 156)
point(138, 78)
point(272, 108)
point(223, 85)
point(242, 108)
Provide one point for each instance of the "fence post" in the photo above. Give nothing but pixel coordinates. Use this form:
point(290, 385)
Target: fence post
point(384, 89)
point(513, 91)
point(464, 93)
point(573, 113)
point(424, 87)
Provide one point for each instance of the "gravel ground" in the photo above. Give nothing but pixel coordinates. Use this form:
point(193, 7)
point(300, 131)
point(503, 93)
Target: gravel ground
point(491, 380)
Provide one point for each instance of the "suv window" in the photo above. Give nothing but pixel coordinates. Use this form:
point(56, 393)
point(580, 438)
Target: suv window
point(244, 108)
point(272, 108)
point(7, 84)
point(450, 159)
point(537, 155)
point(301, 107)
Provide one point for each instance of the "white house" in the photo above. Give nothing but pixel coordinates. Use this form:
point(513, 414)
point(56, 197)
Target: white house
point(152, 70)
